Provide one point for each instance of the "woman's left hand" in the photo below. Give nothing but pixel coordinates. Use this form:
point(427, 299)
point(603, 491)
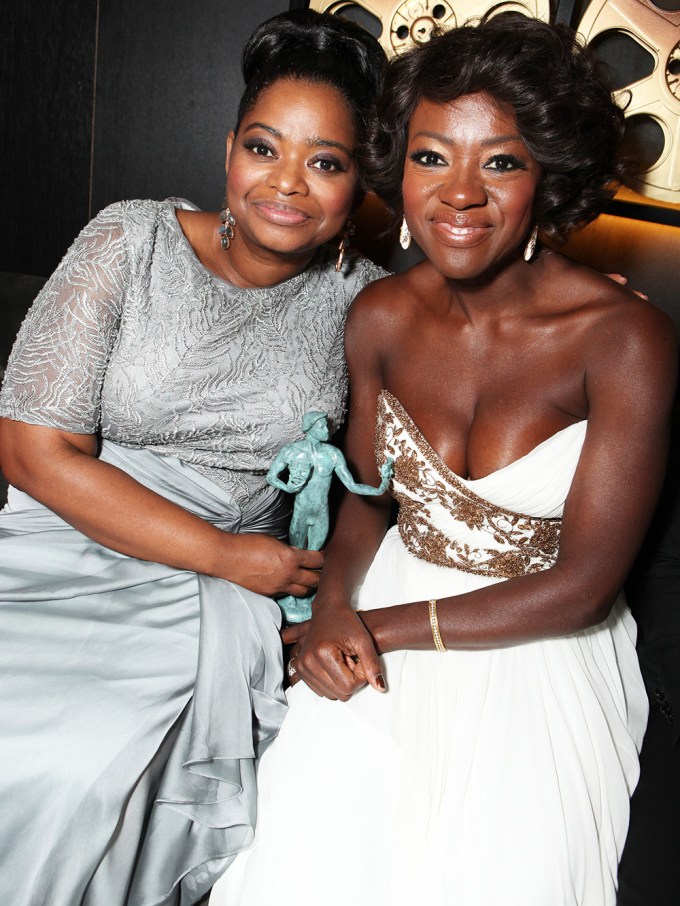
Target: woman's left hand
point(295, 635)
point(334, 654)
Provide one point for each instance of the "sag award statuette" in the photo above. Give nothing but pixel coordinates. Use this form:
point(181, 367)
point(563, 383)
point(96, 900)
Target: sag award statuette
point(311, 464)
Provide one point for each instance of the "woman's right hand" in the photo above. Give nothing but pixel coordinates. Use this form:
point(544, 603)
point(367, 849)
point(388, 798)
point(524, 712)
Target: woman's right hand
point(268, 566)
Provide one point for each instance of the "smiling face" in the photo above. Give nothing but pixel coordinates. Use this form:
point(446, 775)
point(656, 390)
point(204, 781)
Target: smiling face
point(291, 175)
point(469, 185)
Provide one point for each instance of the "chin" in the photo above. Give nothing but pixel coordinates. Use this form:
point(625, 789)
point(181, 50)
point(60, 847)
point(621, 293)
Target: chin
point(455, 268)
point(290, 246)
point(473, 265)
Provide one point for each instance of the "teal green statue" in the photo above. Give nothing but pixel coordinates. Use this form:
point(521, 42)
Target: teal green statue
point(311, 464)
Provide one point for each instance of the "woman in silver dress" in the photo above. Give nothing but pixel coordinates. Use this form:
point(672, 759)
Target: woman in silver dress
point(170, 356)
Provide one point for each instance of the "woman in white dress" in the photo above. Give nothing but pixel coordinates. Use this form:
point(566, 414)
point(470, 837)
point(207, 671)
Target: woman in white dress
point(472, 735)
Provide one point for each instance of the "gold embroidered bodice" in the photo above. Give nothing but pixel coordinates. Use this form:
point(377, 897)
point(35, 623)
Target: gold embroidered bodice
point(443, 520)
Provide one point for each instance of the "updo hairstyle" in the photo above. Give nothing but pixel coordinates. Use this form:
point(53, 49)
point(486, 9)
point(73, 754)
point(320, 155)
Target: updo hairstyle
point(561, 100)
point(322, 49)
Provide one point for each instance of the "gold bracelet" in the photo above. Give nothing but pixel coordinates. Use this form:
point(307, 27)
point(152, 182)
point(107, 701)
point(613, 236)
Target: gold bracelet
point(434, 623)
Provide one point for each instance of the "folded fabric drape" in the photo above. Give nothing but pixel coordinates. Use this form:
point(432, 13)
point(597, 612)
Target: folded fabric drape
point(135, 700)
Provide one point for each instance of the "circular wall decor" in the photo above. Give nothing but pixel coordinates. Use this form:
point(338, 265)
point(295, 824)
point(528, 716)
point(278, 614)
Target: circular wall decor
point(407, 23)
point(655, 96)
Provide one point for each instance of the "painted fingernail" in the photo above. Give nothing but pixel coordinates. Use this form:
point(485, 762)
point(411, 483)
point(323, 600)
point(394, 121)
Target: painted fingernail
point(380, 682)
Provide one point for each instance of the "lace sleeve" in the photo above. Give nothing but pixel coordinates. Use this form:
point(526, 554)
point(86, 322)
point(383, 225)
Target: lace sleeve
point(56, 369)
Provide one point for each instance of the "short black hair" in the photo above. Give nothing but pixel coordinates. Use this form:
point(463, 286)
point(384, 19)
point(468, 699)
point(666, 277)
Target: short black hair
point(560, 97)
point(320, 48)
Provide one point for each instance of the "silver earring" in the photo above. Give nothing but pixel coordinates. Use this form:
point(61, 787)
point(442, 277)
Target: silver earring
point(226, 230)
point(530, 247)
point(404, 235)
point(343, 245)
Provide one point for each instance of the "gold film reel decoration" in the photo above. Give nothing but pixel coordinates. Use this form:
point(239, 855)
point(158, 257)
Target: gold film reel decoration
point(656, 95)
point(407, 23)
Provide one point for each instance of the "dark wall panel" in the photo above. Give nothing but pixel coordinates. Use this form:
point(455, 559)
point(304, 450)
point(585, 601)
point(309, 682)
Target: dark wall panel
point(168, 83)
point(167, 86)
point(47, 81)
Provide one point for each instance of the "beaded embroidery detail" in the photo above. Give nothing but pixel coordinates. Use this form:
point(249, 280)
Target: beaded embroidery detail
point(422, 483)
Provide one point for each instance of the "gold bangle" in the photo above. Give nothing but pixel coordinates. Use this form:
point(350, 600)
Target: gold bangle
point(434, 623)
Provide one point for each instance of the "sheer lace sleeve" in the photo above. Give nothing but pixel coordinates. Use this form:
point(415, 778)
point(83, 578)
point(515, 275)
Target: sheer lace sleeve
point(55, 372)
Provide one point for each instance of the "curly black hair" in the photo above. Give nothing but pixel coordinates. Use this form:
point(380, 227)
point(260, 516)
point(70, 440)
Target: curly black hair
point(323, 49)
point(561, 99)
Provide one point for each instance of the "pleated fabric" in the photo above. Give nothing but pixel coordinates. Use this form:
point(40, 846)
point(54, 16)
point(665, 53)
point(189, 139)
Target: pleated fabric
point(135, 701)
point(482, 777)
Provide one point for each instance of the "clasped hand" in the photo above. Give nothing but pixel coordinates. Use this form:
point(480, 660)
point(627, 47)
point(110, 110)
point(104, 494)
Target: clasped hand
point(334, 654)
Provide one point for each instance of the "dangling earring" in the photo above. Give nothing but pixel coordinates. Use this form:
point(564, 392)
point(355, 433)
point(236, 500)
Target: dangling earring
point(345, 236)
point(404, 235)
point(226, 230)
point(531, 245)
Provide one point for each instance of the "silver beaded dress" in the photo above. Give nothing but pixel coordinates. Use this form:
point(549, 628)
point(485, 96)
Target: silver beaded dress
point(135, 699)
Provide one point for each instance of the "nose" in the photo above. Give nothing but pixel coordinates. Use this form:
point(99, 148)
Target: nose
point(464, 187)
point(288, 176)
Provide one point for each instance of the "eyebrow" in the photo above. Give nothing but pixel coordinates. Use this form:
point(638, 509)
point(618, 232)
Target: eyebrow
point(270, 129)
point(312, 142)
point(446, 140)
point(328, 143)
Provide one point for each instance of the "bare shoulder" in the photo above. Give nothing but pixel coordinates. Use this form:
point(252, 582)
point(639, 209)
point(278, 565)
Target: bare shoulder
point(389, 302)
point(614, 317)
point(628, 346)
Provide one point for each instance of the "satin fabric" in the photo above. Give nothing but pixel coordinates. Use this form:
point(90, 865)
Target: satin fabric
point(135, 701)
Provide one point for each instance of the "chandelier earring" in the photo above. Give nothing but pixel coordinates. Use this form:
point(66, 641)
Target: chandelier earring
point(226, 228)
point(343, 245)
point(530, 247)
point(404, 235)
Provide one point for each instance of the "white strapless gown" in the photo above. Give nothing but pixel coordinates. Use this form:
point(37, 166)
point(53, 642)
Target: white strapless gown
point(481, 778)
